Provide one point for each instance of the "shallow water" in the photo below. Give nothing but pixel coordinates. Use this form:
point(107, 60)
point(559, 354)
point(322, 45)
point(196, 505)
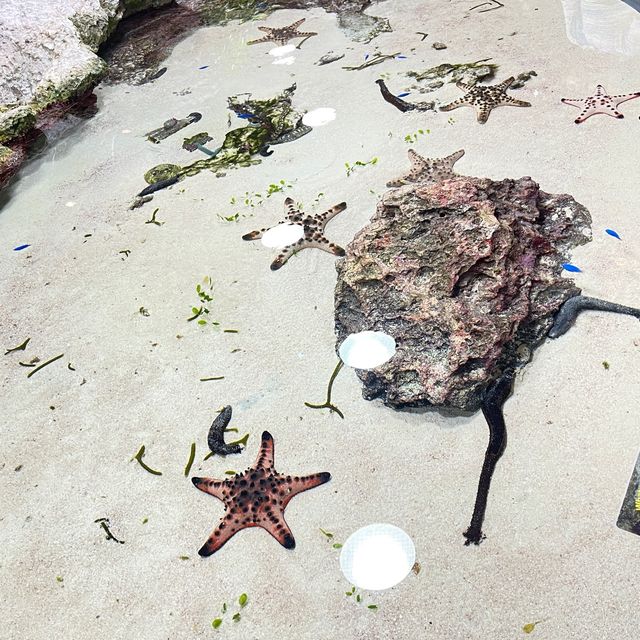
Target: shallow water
point(114, 294)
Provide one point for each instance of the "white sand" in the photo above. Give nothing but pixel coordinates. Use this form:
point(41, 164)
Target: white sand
point(552, 551)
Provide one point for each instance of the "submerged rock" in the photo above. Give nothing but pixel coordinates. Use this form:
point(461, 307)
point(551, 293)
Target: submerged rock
point(465, 274)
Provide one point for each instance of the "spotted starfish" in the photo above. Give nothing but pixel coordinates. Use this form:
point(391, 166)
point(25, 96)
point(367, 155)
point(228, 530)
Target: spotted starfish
point(601, 102)
point(313, 228)
point(485, 98)
point(428, 170)
point(282, 35)
point(256, 498)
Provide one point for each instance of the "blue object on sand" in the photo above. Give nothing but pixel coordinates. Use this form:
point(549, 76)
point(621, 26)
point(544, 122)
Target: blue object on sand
point(571, 267)
point(403, 57)
point(402, 95)
point(21, 247)
point(206, 66)
point(613, 233)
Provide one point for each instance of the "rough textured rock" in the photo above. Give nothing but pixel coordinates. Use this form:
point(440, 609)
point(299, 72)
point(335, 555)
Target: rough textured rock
point(465, 274)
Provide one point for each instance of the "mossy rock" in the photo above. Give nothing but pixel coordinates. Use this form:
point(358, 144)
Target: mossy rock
point(16, 122)
point(162, 172)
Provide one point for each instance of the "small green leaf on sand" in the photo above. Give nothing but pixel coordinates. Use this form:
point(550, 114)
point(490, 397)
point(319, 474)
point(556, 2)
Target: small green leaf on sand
point(242, 600)
point(236, 617)
point(337, 545)
point(605, 364)
point(529, 627)
point(216, 623)
point(20, 347)
point(230, 472)
point(373, 607)
point(192, 457)
point(183, 557)
point(59, 579)
point(327, 533)
point(139, 457)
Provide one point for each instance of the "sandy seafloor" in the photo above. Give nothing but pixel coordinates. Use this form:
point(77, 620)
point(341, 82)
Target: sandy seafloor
point(552, 552)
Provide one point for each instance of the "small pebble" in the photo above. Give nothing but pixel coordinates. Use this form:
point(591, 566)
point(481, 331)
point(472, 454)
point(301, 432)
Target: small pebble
point(439, 45)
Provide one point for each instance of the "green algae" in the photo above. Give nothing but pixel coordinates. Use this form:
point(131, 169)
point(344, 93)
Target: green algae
point(269, 120)
point(448, 72)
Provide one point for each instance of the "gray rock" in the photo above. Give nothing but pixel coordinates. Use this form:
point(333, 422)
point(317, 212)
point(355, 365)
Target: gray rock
point(465, 274)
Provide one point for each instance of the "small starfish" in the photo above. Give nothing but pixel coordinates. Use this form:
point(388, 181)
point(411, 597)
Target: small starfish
point(282, 35)
point(601, 102)
point(485, 98)
point(428, 170)
point(256, 498)
point(313, 227)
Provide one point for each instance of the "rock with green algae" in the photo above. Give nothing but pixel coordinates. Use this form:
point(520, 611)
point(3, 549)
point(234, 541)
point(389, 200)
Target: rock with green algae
point(270, 119)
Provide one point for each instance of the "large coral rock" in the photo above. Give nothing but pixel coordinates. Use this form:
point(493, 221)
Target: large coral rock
point(466, 276)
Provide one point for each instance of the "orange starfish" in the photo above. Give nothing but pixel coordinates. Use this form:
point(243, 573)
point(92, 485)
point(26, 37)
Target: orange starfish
point(256, 498)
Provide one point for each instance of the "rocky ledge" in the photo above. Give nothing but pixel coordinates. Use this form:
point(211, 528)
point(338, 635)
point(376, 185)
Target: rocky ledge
point(466, 275)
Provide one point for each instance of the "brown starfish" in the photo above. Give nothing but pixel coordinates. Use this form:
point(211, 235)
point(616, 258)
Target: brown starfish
point(428, 170)
point(256, 498)
point(313, 228)
point(282, 35)
point(485, 98)
point(601, 102)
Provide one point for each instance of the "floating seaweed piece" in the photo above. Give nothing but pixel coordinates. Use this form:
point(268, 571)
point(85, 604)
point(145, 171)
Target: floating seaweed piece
point(327, 403)
point(377, 59)
point(44, 364)
point(171, 126)
point(258, 497)
point(215, 439)
point(613, 233)
point(20, 347)
point(192, 456)
point(270, 121)
point(21, 247)
point(139, 457)
point(328, 58)
point(198, 142)
point(493, 5)
point(421, 33)
point(469, 71)
point(104, 524)
point(153, 220)
point(209, 379)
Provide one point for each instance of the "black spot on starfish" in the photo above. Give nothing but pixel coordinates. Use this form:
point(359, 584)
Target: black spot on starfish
point(313, 230)
point(256, 498)
point(485, 98)
point(282, 35)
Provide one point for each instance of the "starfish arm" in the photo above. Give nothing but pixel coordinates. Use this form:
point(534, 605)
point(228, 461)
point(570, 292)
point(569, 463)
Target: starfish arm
point(512, 102)
point(287, 252)
point(464, 85)
point(219, 537)
point(275, 524)
point(327, 215)
point(260, 40)
point(265, 455)
point(211, 486)
point(296, 24)
point(305, 34)
point(265, 29)
point(327, 246)
point(483, 113)
point(574, 102)
point(254, 235)
point(399, 182)
point(297, 485)
point(453, 158)
point(417, 161)
point(505, 84)
point(454, 105)
point(290, 208)
point(586, 113)
point(623, 98)
point(601, 91)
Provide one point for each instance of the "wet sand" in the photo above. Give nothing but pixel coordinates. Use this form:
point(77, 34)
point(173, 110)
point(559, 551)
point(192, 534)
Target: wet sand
point(552, 551)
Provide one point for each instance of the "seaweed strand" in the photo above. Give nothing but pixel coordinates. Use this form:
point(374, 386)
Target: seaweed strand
point(327, 404)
